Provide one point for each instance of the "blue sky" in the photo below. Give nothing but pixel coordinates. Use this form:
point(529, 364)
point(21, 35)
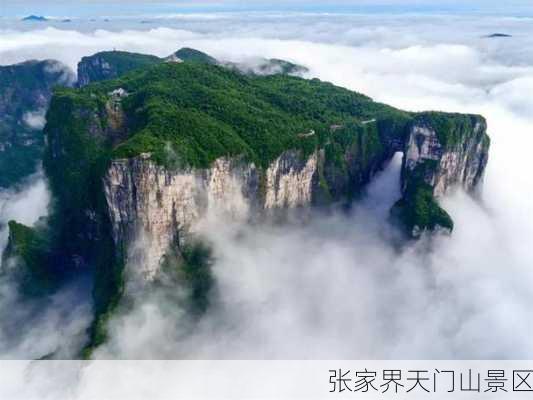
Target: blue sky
point(131, 7)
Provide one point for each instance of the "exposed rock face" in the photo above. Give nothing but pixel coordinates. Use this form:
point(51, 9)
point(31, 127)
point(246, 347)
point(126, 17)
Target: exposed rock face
point(146, 200)
point(441, 152)
point(110, 65)
point(460, 165)
point(161, 206)
point(88, 69)
point(290, 181)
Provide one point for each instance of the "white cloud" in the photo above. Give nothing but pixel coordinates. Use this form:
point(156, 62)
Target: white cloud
point(25, 205)
point(35, 119)
point(33, 328)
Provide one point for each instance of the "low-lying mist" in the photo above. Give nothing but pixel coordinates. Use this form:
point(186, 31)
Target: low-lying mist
point(338, 287)
point(52, 326)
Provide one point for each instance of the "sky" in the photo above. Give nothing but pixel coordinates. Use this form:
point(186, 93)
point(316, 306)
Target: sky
point(93, 8)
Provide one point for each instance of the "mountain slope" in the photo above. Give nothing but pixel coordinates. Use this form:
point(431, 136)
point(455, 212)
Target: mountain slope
point(25, 91)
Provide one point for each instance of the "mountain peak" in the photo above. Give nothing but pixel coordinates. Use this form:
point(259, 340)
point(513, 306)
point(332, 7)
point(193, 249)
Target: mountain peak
point(188, 54)
point(36, 18)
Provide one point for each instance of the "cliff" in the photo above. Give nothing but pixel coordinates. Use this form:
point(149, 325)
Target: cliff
point(442, 152)
point(153, 153)
point(25, 92)
point(111, 65)
point(164, 205)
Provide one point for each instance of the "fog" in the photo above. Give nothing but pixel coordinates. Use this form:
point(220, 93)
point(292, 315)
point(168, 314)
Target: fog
point(50, 326)
point(337, 287)
point(35, 119)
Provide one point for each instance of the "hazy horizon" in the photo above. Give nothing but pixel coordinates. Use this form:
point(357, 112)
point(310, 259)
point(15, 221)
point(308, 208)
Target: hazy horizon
point(98, 8)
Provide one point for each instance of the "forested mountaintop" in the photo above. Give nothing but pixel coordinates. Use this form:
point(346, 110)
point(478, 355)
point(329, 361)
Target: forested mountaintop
point(113, 64)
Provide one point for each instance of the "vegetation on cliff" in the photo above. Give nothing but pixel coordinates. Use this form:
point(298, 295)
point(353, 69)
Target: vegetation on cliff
point(452, 128)
point(204, 112)
point(418, 210)
point(27, 258)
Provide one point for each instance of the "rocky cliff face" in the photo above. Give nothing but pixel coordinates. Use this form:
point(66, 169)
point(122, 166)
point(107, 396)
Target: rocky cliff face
point(25, 92)
point(442, 152)
point(161, 206)
point(111, 64)
point(461, 164)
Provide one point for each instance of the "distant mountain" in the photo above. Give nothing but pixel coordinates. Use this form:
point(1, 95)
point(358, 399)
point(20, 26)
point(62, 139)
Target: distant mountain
point(35, 18)
point(264, 66)
point(498, 35)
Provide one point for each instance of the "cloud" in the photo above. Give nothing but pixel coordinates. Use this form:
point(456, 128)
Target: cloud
point(33, 328)
point(25, 204)
point(337, 287)
point(35, 119)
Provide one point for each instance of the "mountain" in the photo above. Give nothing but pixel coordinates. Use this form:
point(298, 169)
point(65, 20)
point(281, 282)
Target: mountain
point(157, 149)
point(498, 35)
point(264, 66)
point(25, 92)
point(26, 89)
point(113, 64)
point(35, 18)
point(188, 54)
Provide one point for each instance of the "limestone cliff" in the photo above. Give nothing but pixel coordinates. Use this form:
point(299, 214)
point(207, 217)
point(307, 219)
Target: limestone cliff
point(457, 164)
point(162, 205)
point(442, 152)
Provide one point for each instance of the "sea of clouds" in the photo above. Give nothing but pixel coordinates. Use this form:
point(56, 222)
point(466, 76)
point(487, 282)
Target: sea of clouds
point(337, 287)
